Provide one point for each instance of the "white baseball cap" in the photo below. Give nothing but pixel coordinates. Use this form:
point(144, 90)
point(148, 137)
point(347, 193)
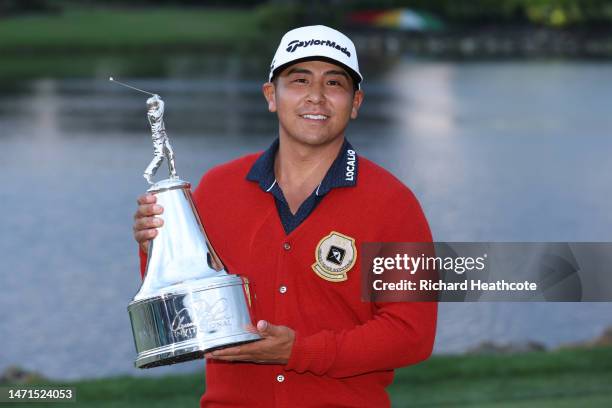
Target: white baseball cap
point(316, 42)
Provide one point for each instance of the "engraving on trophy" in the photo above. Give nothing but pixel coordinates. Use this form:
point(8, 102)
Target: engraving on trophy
point(182, 326)
point(214, 317)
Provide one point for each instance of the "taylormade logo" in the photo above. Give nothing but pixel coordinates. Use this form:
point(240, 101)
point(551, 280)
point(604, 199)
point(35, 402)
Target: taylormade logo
point(295, 44)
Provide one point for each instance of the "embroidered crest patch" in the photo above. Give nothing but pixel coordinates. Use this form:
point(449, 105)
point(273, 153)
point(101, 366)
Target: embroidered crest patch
point(335, 255)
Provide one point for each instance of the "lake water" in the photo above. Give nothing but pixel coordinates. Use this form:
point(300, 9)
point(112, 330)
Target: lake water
point(494, 152)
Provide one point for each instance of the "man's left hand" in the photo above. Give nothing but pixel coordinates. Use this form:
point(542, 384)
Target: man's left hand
point(274, 347)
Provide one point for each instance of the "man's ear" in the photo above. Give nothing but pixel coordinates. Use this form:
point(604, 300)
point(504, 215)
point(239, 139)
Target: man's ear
point(269, 92)
point(357, 99)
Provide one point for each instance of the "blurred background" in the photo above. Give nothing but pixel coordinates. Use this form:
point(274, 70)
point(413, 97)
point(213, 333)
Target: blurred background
point(495, 113)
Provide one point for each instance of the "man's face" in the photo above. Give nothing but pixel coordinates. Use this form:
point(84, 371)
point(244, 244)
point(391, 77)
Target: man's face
point(314, 101)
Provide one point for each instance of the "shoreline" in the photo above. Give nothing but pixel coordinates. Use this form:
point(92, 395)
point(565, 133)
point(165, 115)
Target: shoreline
point(519, 42)
point(77, 42)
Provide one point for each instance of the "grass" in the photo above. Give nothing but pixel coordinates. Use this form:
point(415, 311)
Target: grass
point(134, 41)
point(543, 379)
point(566, 378)
point(129, 29)
point(123, 392)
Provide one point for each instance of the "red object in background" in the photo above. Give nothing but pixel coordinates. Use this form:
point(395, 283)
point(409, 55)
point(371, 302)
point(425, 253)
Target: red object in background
point(365, 17)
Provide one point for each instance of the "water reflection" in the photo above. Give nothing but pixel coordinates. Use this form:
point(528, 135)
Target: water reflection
point(428, 143)
point(493, 151)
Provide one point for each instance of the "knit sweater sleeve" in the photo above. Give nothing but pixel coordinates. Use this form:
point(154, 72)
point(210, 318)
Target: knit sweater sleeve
point(397, 335)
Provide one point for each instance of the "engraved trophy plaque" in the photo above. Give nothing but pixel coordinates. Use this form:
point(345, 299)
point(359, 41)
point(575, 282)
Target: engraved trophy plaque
point(187, 304)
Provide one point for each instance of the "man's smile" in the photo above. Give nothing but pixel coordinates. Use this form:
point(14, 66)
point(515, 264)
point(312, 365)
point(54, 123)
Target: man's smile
point(313, 116)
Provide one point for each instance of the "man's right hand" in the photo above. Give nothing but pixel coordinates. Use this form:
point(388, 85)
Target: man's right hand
point(145, 220)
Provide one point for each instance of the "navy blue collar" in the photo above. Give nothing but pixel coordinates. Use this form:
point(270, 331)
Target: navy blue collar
point(342, 172)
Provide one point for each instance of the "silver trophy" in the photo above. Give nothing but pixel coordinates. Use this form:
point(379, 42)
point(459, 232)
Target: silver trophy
point(187, 304)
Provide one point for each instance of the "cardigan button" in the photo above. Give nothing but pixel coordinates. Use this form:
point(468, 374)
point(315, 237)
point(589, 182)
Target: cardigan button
point(287, 246)
point(282, 289)
point(280, 378)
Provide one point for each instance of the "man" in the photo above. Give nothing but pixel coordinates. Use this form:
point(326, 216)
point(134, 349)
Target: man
point(292, 220)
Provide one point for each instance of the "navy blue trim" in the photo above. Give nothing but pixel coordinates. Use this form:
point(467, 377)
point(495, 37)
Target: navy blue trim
point(342, 173)
point(262, 170)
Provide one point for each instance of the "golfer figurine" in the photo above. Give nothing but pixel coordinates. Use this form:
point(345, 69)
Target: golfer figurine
point(161, 144)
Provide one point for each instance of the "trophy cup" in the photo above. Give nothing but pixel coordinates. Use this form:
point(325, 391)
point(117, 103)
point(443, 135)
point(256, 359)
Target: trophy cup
point(187, 304)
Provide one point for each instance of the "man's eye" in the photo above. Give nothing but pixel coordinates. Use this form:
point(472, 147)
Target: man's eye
point(300, 80)
point(336, 82)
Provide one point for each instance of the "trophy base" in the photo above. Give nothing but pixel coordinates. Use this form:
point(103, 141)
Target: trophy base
point(192, 318)
point(169, 355)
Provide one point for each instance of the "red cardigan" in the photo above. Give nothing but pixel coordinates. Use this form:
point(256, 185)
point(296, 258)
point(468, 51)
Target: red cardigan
point(345, 349)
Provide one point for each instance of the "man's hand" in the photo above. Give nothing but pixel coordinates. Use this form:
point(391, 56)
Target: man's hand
point(145, 220)
point(274, 348)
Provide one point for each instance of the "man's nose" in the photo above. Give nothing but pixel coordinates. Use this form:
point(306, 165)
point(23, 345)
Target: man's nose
point(316, 93)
